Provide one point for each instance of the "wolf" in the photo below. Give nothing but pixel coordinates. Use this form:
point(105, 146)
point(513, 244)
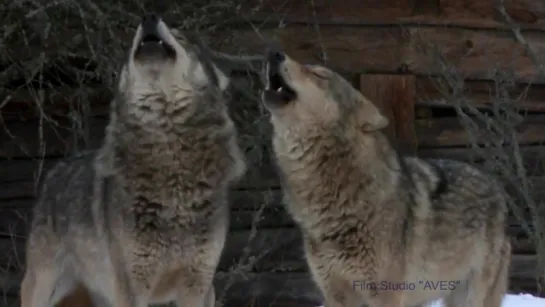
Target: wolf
point(144, 219)
point(379, 228)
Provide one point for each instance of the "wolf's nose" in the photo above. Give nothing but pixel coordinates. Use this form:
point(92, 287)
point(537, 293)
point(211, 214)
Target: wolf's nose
point(150, 21)
point(275, 56)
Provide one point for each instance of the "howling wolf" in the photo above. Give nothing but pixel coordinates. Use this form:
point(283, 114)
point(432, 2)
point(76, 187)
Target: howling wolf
point(379, 228)
point(144, 220)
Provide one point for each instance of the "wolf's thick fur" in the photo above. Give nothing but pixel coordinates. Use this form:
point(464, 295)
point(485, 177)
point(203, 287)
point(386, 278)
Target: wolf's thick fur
point(374, 221)
point(144, 220)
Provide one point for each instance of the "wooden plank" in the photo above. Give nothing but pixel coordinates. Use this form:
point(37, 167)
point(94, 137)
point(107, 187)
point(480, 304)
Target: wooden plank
point(394, 95)
point(55, 136)
point(24, 150)
point(476, 14)
point(28, 102)
point(533, 157)
point(61, 136)
point(418, 50)
point(10, 301)
point(19, 189)
point(25, 103)
point(33, 138)
point(21, 177)
point(25, 169)
point(526, 286)
point(444, 132)
point(19, 174)
point(429, 92)
point(482, 94)
point(244, 196)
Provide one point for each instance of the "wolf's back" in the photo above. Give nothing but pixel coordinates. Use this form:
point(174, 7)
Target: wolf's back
point(463, 198)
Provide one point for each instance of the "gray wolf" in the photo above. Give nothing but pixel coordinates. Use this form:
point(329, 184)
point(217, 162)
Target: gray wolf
point(380, 228)
point(144, 219)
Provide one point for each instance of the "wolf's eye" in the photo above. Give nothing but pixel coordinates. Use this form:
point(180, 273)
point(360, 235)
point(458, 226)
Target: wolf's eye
point(320, 75)
point(316, 71)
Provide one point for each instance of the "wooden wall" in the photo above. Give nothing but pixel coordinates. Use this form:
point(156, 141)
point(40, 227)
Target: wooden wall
point(394, 51)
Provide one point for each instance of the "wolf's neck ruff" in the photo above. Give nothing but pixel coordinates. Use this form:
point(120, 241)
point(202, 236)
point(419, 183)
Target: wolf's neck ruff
point(316, 171)
point(170, 116)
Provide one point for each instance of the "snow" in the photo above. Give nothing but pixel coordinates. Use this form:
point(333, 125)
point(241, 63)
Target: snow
point(523, 300)
point(510, 300)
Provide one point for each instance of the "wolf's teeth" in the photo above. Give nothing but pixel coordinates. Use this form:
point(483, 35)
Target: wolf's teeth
point(160, 42)
point(280, 89)
point(142, 44)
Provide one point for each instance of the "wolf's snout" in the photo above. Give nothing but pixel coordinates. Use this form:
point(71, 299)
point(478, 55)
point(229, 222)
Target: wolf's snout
point(275, 56)
point(150, 25)
point(277, 91)
point(153, 40)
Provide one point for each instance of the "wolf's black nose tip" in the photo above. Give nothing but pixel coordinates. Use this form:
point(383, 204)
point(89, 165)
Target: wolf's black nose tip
point(150, 18)
point(150, 21)
point(275, 56)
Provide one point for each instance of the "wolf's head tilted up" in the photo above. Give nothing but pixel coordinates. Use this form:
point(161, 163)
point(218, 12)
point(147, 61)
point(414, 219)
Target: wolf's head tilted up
point(314, 99)
point(169, 98)
point(166, 61)
point(368, 211)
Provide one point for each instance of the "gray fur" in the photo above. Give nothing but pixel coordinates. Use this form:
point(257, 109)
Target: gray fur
point(144, 220)
point(370, 217)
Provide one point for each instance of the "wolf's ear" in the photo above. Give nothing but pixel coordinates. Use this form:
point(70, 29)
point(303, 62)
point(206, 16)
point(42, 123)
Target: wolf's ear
point(372, 118)
point(223, 79)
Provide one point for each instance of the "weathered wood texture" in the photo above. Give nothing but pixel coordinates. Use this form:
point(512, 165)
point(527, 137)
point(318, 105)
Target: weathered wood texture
point(394, 95)
point(394, 36)
point(429, 92)
point(440, 93)
point(274, 251)
point(474, 54)
point(419, 60)
point(475, 14)
point(445, 132)
point(25, 134)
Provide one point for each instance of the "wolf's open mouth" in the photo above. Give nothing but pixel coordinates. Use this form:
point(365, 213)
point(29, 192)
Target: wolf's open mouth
point(277, 90)
point(152, 44)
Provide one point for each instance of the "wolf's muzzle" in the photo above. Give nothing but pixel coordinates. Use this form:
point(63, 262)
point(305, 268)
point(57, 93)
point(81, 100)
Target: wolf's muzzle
point(153, 40)
point(150, 25)
point(277, 91)
point(274, 58)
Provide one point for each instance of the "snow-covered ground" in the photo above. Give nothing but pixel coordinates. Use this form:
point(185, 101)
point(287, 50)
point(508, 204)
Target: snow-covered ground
point(511, 300)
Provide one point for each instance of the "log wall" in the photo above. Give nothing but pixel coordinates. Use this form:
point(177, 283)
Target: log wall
point(397, 52)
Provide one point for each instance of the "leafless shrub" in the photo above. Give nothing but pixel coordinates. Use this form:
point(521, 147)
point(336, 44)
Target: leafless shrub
point(70, 49)
point(46, 46)
point(494, 136)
